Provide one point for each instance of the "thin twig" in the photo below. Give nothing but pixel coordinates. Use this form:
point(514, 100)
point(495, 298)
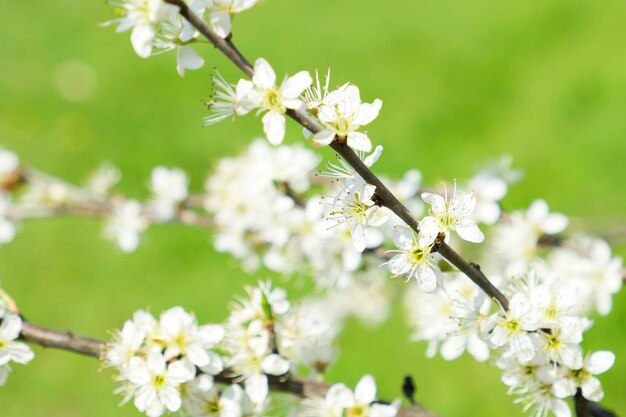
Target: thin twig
point(385, 196)
point(72, 342)
point(103, 209)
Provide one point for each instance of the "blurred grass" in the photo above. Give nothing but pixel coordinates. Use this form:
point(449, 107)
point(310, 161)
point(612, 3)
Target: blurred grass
point(461, 83)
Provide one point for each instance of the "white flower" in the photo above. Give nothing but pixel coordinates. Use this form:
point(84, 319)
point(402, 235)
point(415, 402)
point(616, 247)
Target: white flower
point(583, 378)
point(143, 17)
point(516, 238)
point(223, 103)
point(490, 186)
point(539, 215)
point(130, 340)
point(7, 227)
point(263, 94)
point(177, 33)
point(541, 401)
point(355, 207)
point(249, 338)
point(511, 330)
point(201, 402)
point(488, 190)
point(342, 116)
point(590, 268)
point(451, 214)
point(222, 12)
point(169, 186)
point(307, 332)
point(257, 388)
point(414, 259)
point(316, 95)
point(340, 399)
point(9, 164)
point(254, 308)
point(10, 350)
point(450, 319)
point(50, 192)
point(156, 385)
point(103, 180)
point(470, 315)
point(342, 170)
point(560, 346)
point(182, 336)
point(126, 224)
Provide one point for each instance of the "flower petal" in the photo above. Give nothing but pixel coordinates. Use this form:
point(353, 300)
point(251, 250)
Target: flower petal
point(295, 85)
point(187, 58)
point(142, 38)
point(264, 76)
point(365, 391)
point(221, 23)
point(274, 127)
point(368, 112)
point(600, 362)
point(324, 137)
point(256, 388)
point(275, 365)
point(359, 141)
point(470, 232)
point(592, 389)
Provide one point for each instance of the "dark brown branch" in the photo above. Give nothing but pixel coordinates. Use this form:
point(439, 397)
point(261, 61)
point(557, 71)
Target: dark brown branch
point(92, 347)
point(581, 405)
point(61, 340)
point(473, 271)
point(387, 198)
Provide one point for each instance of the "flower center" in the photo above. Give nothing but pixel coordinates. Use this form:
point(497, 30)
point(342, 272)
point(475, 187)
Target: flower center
point(551, 312)
point(358, 209)
point(272, 99)
point(357, 411)
point(159, 381)
point(417, 255)
point(343, 127)
point(212, 407)
point(580, 375)
point(512, 326)
point(181, 342)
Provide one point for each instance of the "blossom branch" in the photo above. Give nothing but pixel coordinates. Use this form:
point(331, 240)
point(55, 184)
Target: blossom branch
point(184, 216)
point(69, 341)
point(384, 196)
point(64, 340)
point(54, 197)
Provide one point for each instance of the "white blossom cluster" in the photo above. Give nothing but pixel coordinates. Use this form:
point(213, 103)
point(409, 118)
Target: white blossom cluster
point(267, 213)
point(534, 239)
point(271, 208)
point(11, 351)
point(157, 27)
point(537, 343)
point(174, 364)
point(342, 401)
point(340, 112)
point(42, 195)
point(156, 359)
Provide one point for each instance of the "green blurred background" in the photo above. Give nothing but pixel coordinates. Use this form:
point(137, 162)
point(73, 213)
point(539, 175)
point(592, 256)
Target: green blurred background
point(462, 82)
